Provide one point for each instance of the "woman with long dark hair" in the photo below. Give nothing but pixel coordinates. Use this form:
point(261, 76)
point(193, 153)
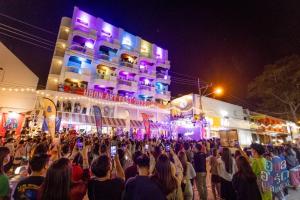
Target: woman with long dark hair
point(244, 181)
point(164, 176)
point(4, 182)
point(226, 169)
point(58, 183)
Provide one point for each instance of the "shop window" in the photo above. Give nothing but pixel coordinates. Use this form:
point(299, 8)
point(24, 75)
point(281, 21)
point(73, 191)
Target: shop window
point(67, 106)
point(77, 107)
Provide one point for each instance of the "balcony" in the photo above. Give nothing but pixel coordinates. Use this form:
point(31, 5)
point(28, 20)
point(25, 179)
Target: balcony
point(109, 42)
point(106, 60)
point(129, 67)
point(75, 73)
point(163, 63)
point(147, 73)
point(127, 85)
point(58, 52)
point(105, 80)
point(84, 32)
point(146, 90)
point(146, 58)
point(162, 78)
point(165, 95)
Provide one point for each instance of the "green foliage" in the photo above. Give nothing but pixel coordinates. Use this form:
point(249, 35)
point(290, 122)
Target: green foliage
point(278, 87)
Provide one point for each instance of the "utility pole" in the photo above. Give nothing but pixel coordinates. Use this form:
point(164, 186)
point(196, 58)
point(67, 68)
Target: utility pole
point(200, 97)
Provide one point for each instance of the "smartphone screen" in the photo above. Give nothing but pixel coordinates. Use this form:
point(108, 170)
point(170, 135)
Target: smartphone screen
point(113, 150)
point(146, 147)
point(167, 148)
point(79, 145)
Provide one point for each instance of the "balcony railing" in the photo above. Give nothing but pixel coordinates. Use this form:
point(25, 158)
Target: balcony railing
point(126, 64)
point(146, 87)
point(73, 69)
point(103, 56)
point(79, 48)
point(159, 75)
point(77, 70)
point(59, 52)
point(125, 82)
point(145, 71)
point(105, 77)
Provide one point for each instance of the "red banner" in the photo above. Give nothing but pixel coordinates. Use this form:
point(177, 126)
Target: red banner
point(111, 97)
point(146, 122)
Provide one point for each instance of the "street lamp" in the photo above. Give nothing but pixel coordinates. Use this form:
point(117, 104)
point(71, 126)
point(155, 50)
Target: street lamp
point(218, 91)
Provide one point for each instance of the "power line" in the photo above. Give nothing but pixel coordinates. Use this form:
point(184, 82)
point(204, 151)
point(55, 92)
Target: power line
point(32, 26)
point(32, 35)
point(26, 41)
point(28, 37)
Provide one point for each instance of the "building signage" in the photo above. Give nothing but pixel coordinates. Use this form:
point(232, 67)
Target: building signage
point(117, 98)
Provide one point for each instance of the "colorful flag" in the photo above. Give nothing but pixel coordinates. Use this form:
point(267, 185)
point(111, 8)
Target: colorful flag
point(98, 119)
point(146, 122)
point(49, 109)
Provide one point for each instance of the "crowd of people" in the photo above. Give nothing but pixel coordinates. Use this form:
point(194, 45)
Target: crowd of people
point(103, 168)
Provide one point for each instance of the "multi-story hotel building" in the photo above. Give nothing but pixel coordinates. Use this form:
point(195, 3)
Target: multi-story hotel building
point(95, 62)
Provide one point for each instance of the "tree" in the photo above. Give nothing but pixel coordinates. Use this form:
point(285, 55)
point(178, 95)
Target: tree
point(277, 89)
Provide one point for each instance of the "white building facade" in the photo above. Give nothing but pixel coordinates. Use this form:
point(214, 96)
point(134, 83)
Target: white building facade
point(17, 90)
point(96, 63)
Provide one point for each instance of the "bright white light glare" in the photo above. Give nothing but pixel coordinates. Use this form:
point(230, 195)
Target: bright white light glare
point(224, 113)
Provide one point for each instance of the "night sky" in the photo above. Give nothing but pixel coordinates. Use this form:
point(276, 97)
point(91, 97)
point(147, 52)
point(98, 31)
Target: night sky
point(224, 42)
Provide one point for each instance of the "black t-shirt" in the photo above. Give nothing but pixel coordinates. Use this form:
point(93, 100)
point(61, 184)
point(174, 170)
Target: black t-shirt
point(28, 187)
point(105, 190)
point(142, 188)
point(200, 162)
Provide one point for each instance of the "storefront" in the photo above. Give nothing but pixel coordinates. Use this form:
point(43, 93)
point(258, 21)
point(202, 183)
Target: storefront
point(269, 130)
point(76, 112)
point(214, 118)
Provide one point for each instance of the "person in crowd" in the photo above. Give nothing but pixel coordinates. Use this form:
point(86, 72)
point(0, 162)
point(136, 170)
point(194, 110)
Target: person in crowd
point(215, 179)
point(19, 154)
point(132, 171)
point(200, 168)
point(77, 167)
point(258, 164)
point(188, 151)
point(188, 176)
point(102, 186)
point(65, 151)
point(10, 145)
point(4, 181)
point(226, 169)
point(290, 157)
point(275, 159)
point(165, 177)
point(141, 187)
point(28, 187)
point(58, 183)
point(244, 181)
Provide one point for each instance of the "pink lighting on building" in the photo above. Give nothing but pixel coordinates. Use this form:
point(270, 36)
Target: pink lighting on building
point(89, 44)
point(107, 30)
point(83, 20)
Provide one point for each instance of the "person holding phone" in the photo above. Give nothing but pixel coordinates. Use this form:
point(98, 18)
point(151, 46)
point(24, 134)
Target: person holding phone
point(102, 185)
